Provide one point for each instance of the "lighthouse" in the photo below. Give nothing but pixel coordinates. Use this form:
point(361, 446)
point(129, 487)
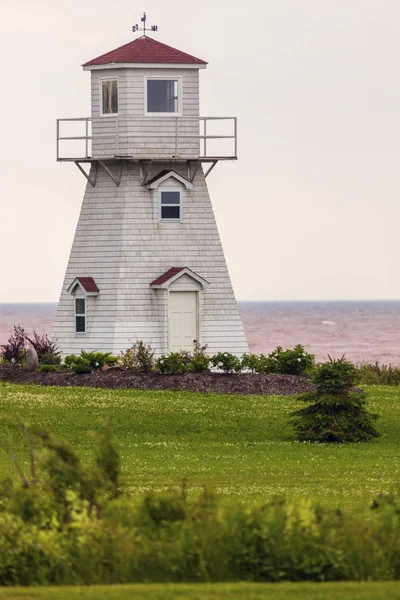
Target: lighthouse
point(146, 261)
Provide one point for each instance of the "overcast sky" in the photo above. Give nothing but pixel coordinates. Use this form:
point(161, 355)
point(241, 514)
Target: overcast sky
point(309, 211)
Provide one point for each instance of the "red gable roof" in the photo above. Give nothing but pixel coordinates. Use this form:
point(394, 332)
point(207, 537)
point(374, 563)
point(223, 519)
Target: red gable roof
point(145, 50)
point(88, 284)
point(167, 275)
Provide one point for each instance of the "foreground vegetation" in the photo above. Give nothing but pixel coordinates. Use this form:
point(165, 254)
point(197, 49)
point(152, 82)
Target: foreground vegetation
point(242, 447)
point(66, 523)
point(220, 591)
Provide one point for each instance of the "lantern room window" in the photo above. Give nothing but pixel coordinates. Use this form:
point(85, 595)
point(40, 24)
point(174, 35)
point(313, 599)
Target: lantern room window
point(170, 205)
point(80, 315)
point(109, 96)
point(163, 96)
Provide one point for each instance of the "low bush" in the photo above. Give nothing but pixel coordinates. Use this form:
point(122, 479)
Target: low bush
point(138, 358)
point(95, 360)
point(47, 349)
point(174, 363)
point(14, 349)
point(44, 368)
point(337, 413)
point(226, 362)
point(67, 523)
point(294, 361)
point(81, 366)
point(200, 361)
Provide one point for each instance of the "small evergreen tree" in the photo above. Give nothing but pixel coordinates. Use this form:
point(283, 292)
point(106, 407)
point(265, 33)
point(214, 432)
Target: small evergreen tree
point(337, 412)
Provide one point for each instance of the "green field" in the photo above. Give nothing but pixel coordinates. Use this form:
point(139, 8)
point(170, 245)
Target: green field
point(241, 446)
point(221, 591)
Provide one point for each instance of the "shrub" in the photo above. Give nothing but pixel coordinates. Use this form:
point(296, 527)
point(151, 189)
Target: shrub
point(337, 413)
point(96, 360)
point(47, 349)
point(294, 361)
point(14, 349)
point(174, 363)
point(200, 361)
point(81, 366)
point(44, 368)
point(139, 358)
point(50, 359)
point(251, 362)
point(226, 362)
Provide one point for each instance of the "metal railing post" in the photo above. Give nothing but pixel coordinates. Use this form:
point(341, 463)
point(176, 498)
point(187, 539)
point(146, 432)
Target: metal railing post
point(116, 135)
point(58, 139)
point(87, 138)
point(235, 129)
point(205, 137)
point(176, 136)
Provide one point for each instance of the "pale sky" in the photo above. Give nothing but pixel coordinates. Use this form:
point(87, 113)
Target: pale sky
point(309, 211)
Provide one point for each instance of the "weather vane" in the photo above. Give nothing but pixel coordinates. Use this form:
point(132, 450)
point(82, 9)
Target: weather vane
point(143, 19)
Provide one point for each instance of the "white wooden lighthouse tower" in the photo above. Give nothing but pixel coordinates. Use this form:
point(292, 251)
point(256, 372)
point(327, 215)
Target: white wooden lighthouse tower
point(147, 261)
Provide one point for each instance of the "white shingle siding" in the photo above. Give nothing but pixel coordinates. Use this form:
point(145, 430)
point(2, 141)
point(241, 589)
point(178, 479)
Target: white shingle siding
point(133, 133)
point(120, 242)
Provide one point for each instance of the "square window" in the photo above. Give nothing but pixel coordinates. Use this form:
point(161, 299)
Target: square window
point(170, 204)
point(162, 96)
point(109, 97)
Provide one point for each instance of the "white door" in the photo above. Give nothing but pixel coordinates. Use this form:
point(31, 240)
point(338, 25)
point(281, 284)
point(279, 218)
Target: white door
point(183, 325)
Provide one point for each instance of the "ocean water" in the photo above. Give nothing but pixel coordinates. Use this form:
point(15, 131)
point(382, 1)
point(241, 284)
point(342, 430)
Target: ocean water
point(365, 331)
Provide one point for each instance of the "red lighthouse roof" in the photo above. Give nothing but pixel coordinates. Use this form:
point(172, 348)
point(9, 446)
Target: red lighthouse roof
point(148, 51)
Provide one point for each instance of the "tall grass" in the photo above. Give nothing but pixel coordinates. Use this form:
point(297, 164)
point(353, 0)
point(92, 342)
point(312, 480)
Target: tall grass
point(166, 538)
point(376, 374)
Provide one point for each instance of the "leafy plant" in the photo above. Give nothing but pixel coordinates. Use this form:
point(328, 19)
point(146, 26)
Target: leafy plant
point(47, 349)
point(337, 414)
point(81, 366)
point(174, 363)
point(251, 362)
point(95, 360)
point(200, 360)
point(45, 368)
point(226, 362)
point(14, 349)
point(294, 361)
point(139, 358)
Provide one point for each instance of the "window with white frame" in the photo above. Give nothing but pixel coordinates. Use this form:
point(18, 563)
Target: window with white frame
point(170, 205)
point(163, 96)
point(109, 96)
point(80, 315)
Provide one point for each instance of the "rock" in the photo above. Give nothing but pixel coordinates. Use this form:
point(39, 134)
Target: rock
point(32, 361)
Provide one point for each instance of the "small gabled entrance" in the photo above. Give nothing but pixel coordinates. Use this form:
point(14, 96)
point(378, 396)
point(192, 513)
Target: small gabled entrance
point(183, 288)
point(183, 320)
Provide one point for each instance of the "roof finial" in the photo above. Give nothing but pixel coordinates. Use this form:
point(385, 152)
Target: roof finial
point(143, 19)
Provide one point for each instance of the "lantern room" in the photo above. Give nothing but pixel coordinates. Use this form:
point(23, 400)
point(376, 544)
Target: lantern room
point(145, 105)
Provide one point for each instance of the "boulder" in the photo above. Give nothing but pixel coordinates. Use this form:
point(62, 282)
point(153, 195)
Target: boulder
point(32, 361)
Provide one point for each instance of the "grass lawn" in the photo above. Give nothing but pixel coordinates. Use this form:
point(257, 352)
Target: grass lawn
point(242, 446)
point(220, 591)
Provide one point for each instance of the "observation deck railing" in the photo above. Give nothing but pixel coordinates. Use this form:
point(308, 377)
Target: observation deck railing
point(123, 136)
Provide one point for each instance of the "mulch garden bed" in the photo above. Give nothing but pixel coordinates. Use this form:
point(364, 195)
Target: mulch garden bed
point(117, 378)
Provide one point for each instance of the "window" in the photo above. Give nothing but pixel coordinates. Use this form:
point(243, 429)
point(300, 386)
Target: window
point(170, 205)
point(80, 315)
point(109, 97)
point(162, 96)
